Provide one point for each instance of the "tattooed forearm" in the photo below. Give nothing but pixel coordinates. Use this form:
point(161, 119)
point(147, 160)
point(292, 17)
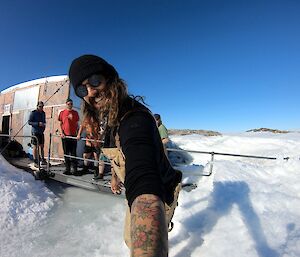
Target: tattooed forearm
point(149, 234)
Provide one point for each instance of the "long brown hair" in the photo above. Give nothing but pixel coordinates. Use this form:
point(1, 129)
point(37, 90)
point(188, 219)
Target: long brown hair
point(113, 97)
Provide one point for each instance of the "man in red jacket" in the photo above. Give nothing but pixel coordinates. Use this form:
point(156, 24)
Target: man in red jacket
point(69, 124)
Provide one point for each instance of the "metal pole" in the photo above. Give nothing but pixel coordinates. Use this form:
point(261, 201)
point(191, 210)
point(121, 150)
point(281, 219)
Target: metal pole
point(172, 150)
point(38, 152)
point(179, 150)
point(49, 152)
point(83, 159)
point(82, 138)
point(225, 154)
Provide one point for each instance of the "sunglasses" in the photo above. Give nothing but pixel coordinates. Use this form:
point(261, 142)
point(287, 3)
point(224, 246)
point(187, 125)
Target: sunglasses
point(40, 106)
point(93, 81)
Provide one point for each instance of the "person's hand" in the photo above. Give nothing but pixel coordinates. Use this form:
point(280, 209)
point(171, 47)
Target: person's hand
point(78, 138)
point(41, 124)
point(101, 131)
point(115, 185)
point(62, 135)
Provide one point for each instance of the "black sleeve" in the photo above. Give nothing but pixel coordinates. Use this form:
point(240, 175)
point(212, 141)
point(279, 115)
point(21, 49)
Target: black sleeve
point(31, 120)
point(137, 138)
point(44, 117)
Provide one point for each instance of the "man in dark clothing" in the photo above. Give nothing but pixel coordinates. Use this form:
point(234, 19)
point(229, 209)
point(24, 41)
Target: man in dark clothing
point(149, 178)
point(68, 119)
point(37, 120)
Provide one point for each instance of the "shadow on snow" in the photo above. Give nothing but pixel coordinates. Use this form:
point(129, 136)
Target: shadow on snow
point(224, 195)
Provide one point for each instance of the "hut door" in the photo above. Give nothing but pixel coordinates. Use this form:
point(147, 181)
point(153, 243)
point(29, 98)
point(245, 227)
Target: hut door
point(5, 124)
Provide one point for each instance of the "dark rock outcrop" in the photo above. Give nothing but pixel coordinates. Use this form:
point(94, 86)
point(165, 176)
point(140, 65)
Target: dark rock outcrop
point(276, 131)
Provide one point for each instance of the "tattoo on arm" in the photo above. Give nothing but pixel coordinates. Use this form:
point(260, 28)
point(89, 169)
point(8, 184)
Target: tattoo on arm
point(149, 236)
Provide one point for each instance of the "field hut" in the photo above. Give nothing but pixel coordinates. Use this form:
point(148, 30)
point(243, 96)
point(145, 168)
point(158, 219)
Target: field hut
point(16, 103)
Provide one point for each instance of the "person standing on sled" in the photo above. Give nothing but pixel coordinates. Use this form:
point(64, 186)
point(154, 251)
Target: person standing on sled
point(149, 179)
point(68, 119)
point(37, 120)
point(92, 148)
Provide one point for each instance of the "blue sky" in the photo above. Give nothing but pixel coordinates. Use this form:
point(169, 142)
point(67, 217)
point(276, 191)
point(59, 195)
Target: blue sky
point(219, 65)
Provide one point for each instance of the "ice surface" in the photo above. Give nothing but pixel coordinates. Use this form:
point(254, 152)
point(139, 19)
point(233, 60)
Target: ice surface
point(247, 207)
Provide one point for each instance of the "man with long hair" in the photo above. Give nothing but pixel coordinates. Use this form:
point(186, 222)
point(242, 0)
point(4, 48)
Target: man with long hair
point(149, 179)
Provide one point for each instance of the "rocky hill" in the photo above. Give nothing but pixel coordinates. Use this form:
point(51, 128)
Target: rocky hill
point(183, 132)
point(277, 131)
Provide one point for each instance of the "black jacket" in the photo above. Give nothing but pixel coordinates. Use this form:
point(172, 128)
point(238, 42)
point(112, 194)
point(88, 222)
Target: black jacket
point(34, 119)
point(148, 170)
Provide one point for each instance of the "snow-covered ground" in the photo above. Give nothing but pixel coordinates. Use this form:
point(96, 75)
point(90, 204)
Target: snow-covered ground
point(246, 208)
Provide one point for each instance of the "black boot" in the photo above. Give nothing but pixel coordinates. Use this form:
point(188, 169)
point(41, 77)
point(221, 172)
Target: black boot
point(68, 169)
point(97, 176)
point(85, 170)
point(43, 162)
point(35, 163)
point(76, 172)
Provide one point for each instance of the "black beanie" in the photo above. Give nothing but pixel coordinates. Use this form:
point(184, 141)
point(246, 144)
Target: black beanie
point(157, 116)
point(86, 65)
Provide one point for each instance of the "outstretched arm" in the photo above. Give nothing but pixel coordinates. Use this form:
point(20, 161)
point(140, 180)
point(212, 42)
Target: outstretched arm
point(141, 145)
point(149, 236)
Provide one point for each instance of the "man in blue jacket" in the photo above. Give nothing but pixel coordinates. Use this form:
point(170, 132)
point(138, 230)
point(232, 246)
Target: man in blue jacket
point(37, 120)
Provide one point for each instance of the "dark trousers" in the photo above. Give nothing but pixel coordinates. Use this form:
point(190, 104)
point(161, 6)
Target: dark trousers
point(69, 146)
